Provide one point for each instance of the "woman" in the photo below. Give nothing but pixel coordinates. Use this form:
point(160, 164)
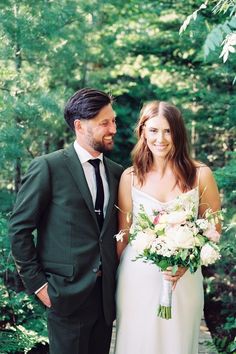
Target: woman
point(162, 176)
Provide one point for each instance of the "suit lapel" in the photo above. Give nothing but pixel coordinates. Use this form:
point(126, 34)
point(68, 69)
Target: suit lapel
point(73, 163)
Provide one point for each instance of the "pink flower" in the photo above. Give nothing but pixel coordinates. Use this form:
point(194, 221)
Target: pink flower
point(212, 234)
point(156, 219)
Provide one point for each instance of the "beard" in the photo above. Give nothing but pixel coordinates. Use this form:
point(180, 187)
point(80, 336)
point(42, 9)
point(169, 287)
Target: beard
point(101, 146)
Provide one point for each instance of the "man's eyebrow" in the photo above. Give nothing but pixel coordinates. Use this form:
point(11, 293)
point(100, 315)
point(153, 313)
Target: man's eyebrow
point(106, 119)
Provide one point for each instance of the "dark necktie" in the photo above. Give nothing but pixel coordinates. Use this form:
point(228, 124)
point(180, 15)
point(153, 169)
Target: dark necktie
point(100, 192)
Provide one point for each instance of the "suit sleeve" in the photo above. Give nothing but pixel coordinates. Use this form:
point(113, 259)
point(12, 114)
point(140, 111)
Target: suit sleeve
point(31, 202)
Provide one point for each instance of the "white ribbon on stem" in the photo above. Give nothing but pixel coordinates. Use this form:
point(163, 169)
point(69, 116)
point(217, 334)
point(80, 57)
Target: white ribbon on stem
point(164, 310)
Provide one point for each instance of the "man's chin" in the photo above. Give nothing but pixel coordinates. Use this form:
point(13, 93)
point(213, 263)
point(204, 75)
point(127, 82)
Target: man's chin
point(104, 148)
point(107, 148)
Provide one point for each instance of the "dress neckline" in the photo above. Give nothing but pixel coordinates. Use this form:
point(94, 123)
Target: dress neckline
point(169, 201)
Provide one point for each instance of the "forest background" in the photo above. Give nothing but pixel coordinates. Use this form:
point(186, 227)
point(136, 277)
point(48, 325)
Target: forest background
point(132, 49)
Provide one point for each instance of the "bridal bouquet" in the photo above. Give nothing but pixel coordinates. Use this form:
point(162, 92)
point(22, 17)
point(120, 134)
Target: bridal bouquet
point(173, 239)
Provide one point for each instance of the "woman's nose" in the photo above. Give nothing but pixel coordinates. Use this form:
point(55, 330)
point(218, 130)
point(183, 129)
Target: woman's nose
point(160, 136)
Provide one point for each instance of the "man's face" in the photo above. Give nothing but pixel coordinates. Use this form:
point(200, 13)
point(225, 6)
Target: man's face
point(96, 135)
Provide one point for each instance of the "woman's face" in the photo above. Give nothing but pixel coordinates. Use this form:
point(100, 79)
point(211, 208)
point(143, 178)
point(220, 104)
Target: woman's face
point(158, 136)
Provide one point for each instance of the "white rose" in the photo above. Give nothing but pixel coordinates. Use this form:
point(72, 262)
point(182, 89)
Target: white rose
point(181, 237)
point(209, 255)
point(163, 219)
point(143, 240)
point(202, 223)
point(177, 217)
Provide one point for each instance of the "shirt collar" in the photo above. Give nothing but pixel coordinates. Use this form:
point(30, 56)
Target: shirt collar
point(83, 154)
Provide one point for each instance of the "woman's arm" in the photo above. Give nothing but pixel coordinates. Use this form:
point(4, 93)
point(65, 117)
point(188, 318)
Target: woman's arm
point(209, 198)
point(125, 208)
point(209, 194)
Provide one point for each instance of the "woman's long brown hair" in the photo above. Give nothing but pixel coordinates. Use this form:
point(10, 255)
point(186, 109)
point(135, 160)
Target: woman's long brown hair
point(183, 166)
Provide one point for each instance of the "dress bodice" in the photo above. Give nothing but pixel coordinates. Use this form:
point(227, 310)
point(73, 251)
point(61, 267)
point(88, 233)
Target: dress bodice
point(185, 201)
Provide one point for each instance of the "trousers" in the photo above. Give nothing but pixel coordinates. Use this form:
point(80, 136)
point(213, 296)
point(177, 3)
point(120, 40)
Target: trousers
point(83, 332)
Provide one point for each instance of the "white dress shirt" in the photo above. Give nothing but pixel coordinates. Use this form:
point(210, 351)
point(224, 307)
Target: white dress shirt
point(90, 176)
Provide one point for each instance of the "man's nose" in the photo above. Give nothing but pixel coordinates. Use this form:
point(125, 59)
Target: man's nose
point(112, 128)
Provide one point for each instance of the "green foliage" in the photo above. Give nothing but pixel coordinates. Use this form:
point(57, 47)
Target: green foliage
point(219, 150)
point(191, 17)
point(18, 338)
point(132, 49)
point(222, 34)
point(220, 294)
point(223, 343)
point(226, 178)
point(22, 322)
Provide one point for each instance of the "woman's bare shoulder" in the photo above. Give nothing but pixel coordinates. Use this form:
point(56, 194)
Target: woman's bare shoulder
point(202, 166)
point(199, 164)
point(204, 173)
point(125, 187)
point(127, 174)
point(129, 170)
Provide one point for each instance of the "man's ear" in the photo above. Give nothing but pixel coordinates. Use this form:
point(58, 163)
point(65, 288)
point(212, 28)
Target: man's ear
point(77, 124)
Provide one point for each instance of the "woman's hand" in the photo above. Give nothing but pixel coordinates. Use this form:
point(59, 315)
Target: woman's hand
point(174, 277)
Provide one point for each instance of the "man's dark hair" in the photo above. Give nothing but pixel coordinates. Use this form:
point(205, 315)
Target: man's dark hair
point(85, 104)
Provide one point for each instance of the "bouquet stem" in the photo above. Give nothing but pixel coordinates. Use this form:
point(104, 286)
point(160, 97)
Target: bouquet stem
point(164, 310)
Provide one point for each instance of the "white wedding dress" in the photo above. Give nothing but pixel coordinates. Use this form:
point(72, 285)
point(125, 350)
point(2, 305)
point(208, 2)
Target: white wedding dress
point(139, 329)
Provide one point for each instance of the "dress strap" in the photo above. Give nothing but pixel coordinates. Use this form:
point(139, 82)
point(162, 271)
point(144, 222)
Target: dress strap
point(199, 175)
point(132, 178)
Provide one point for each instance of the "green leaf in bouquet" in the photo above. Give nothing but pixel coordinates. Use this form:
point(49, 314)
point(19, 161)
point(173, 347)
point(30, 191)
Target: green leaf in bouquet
point(151, 256)
point(132, 237)
point(144, 224)
point(174, 269)
point(196, 251)
point(193, 267)
point(184, 254)
point(146, 253)
point(160, 232)
point(143, 219)
point(191, 217)
point(163, 264)
point(201, 239)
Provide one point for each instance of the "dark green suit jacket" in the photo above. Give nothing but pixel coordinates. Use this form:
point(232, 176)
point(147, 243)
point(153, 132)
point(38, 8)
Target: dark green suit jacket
point(55, 200)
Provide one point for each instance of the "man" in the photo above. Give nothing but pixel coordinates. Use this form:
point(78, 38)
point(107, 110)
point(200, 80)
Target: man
point(69, 197)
